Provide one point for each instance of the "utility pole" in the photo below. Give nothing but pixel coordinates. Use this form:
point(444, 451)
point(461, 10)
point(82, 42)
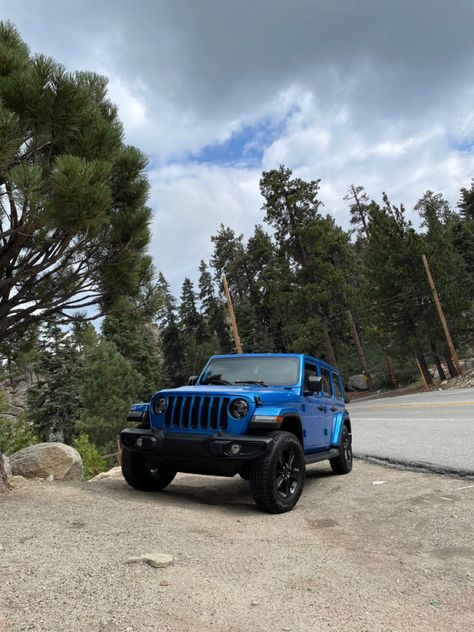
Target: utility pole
point(391, 374)
point(423, 377)
point(360, 351)
point(233, 322)
point(442, 318)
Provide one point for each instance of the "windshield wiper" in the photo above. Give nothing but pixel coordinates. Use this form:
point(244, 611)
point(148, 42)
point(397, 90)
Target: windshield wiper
point(259, 382)
point(217, 380)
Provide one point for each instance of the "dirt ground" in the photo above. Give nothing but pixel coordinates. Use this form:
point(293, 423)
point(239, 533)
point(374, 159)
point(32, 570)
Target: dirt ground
point(357, 554)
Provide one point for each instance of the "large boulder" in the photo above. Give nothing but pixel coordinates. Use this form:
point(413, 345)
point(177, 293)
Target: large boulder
point(46, 459)
point(358, 383)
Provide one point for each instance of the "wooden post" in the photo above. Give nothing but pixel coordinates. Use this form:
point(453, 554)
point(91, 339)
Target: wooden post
point(233, 322)
point(360, 351)
point(391, 374)
point(427, 386)
point(442, 318)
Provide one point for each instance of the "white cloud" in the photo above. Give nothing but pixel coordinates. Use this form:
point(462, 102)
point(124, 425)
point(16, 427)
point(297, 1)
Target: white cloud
point(360, 91)
point(191, 201)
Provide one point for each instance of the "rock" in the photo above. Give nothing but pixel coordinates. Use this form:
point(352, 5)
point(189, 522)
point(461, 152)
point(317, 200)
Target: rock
point(156, 560)
point(114, 473)
point(6, 464)
point(43, 459)
point(358, 383)
point(15, 482)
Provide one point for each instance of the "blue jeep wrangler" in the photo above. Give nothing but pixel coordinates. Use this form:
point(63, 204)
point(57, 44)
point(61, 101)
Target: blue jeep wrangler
point(263, 416)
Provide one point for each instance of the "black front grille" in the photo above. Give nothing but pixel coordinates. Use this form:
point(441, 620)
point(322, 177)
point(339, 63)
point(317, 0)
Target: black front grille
point(197, 412)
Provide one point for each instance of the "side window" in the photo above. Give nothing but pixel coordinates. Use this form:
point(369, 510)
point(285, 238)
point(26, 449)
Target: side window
point(309, 369)
point(337, 386)
point(326, 382)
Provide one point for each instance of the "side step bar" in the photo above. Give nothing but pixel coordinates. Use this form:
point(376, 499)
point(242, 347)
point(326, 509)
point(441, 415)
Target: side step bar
point(321, 456)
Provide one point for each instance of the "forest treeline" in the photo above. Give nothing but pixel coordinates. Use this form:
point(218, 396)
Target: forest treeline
point(83, 310)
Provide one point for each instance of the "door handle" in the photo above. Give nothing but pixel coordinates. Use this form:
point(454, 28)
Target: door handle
point(322, 408)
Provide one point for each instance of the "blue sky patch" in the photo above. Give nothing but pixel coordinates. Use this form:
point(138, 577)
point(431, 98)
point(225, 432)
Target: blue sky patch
point(244, 147)
point(466, 146)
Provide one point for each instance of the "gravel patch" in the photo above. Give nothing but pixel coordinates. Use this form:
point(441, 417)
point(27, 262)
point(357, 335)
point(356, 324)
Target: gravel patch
point(353, 556)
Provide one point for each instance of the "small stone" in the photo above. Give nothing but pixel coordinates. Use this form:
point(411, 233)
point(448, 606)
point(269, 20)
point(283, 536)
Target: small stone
point(165, 582)
point(254, 603)
point(50, 478)
point(155, 560)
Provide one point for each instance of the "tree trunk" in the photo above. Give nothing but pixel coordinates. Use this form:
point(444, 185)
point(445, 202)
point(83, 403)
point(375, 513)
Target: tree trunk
point(439, 366)
point(449, 361)
point(3, 476)
point(329, 351)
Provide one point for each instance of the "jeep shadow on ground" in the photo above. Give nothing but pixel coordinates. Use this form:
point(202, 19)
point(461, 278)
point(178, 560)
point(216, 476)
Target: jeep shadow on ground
point(230, 494)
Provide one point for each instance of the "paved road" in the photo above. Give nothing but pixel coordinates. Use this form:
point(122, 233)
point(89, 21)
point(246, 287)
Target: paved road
point(435, 430)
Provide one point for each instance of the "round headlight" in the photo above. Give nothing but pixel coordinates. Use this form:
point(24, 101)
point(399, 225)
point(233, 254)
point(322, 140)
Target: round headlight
point(239, 408)
point(159, 405)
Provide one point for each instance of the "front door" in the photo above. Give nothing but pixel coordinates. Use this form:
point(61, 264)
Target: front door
point(314, 415)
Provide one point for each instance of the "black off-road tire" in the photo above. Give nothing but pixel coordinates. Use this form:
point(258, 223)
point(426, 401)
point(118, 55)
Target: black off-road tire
point(342, 464)
point(277, 479)
point(141, 476)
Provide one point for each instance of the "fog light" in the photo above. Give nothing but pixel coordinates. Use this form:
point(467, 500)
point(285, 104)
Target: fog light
point(139, 442)
point(233, 449)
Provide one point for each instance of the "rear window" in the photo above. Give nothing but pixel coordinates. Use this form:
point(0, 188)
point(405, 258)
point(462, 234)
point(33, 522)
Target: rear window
point(337, 386)
point(326, 382)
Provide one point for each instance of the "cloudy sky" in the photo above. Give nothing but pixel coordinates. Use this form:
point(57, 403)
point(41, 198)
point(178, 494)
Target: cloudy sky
point(372, 92)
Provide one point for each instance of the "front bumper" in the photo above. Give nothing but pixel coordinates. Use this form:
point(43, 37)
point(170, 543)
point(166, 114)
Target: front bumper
point(194, 453)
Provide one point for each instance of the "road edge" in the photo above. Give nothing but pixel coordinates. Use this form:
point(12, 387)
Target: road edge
point(415, 466)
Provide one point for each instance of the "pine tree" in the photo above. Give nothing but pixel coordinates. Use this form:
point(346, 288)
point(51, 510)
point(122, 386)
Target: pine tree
point(74, 225)
point(109, 386)
point(397, 291)
point(54, 405)
point(454, 283)
point(292, 207)
point(175, 371)
point(214, 312)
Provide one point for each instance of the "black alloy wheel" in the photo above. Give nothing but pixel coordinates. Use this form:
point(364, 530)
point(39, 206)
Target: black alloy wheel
point(342, 464)
point(287, 473)
point(277, 479)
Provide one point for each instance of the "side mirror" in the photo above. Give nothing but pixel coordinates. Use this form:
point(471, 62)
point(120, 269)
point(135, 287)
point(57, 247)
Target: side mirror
point(314, 384)
point(192, 380)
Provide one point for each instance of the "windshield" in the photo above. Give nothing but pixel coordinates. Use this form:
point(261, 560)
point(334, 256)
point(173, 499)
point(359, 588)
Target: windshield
point(262, 371)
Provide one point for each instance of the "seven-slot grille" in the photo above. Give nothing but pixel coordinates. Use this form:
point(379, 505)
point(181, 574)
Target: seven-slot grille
point(197, 412)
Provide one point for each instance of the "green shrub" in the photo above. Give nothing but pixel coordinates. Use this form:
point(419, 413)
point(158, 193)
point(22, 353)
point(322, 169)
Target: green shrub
point(93, 462)
point(14, 434)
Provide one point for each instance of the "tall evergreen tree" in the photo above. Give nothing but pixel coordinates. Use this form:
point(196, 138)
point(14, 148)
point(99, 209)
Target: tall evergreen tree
point(109, 386)
point(175, 371)
point(214, 312)
point(292, 207)
point(454, 284)
point(54, 405)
